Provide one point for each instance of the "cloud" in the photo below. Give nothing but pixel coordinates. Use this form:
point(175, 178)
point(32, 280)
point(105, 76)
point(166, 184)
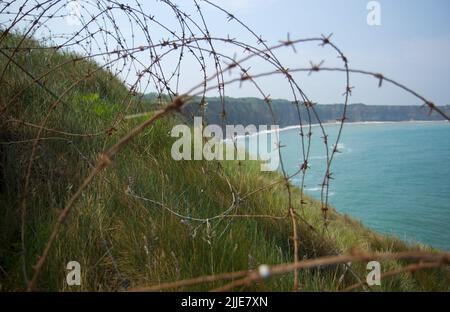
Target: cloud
point(242, 4)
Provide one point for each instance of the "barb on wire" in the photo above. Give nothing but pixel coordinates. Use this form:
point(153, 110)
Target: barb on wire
point(155, 55)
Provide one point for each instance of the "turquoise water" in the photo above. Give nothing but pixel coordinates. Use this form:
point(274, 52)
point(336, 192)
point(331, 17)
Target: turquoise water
point(395, 177)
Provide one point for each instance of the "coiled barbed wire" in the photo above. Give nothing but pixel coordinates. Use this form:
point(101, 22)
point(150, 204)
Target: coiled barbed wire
point(150, 55)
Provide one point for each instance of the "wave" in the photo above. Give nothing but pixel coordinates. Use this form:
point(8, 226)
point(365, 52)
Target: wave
point(341, 148)
point(318, 189)
point(278, 130)
point(269, 131)
point(313, 189)
point(318, 157)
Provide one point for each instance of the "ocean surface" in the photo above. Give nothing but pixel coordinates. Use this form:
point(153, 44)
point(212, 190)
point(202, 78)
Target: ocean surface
point(394, 177)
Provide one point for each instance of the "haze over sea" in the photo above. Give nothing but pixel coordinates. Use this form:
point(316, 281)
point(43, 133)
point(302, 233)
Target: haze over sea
point(394, 177)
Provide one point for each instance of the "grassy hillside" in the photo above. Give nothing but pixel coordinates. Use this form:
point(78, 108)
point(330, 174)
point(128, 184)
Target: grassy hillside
point(125, 229)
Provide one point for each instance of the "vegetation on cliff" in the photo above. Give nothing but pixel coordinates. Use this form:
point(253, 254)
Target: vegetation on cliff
point(148, 219)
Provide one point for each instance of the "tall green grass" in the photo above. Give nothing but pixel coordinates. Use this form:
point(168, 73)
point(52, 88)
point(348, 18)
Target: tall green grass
point(123, 229)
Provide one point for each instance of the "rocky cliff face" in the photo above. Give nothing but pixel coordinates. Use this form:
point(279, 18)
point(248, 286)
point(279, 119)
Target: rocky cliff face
point(255, 111)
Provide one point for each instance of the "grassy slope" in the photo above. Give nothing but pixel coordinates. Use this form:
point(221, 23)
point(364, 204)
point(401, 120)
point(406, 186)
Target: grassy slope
point(124, 241)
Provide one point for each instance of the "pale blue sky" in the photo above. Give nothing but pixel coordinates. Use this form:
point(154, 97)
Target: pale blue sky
point(412, 45)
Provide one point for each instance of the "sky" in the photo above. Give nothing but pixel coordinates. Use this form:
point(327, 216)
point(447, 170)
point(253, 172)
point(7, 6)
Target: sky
point(411, 44)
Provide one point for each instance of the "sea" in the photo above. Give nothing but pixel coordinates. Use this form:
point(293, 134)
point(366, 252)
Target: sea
point(393, 176)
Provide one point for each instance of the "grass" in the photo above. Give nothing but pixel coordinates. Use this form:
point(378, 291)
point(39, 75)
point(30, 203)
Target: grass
point(123, 241)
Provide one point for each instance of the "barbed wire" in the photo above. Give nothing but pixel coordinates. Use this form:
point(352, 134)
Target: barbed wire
point(149, 55)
